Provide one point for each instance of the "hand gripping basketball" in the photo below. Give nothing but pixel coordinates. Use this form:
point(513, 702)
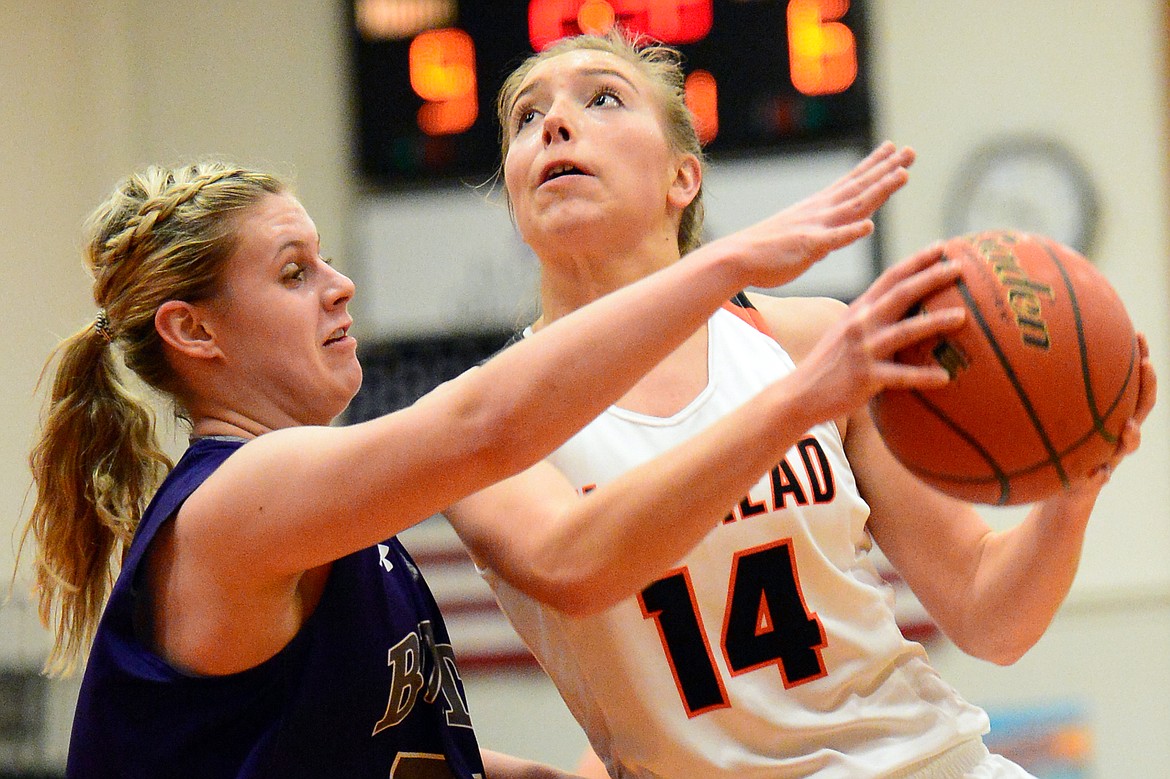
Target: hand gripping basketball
point(1045, 375)
point(855, 358)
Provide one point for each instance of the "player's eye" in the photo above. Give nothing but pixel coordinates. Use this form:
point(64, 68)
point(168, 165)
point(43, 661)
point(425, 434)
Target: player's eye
point(606, 97)
point(522, 116)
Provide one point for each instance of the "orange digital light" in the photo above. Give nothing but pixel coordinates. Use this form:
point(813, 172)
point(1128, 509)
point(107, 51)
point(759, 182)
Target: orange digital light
point(400, 19)
point(669, 21)
point(442, 64)
point(442, 72)
point(596, 17)
point(448, 117)
point(822, 52)
point(702, 96)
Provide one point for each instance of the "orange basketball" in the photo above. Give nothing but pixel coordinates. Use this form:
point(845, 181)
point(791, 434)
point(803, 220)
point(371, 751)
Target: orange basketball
point(1044, 374)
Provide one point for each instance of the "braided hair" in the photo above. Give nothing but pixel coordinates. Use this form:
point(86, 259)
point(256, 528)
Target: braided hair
point(163, 234)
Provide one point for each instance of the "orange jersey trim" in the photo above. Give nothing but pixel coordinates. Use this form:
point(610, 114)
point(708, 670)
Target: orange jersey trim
point(751, 315)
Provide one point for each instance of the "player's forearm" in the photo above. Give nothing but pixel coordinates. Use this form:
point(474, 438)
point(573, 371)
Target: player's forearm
point(621, 536)
point(1024, 575)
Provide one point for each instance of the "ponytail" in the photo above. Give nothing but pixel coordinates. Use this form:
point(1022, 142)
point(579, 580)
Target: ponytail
point(163, 234)
point(95, 466)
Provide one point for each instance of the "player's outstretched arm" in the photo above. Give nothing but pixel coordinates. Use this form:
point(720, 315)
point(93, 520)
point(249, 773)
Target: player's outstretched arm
point(338, 490)
point(316, 494)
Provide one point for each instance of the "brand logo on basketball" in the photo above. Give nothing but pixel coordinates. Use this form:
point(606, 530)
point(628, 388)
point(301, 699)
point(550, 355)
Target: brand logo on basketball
point(1023, 294)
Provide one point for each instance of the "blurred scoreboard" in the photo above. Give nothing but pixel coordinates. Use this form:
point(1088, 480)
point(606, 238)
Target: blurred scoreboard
point(762, 75)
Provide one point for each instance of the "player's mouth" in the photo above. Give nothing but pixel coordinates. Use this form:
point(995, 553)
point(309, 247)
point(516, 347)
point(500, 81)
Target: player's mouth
point(561, 169)
point(339, 335)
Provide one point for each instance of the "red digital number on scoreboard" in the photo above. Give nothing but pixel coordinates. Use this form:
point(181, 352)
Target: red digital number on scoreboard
point(669, 21)
point(822, 51)
point(442, 73)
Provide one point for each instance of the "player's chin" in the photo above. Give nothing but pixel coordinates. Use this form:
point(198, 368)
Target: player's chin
point(342, 390)
point(353, 382)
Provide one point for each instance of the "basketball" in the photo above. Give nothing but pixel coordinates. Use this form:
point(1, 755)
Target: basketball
point(1044, 374)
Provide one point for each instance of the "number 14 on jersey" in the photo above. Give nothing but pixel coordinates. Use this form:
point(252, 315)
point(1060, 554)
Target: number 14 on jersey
point(766, 622)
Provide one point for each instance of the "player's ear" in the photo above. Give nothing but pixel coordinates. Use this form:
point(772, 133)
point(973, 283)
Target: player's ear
point(687, 180)
point(184, 328)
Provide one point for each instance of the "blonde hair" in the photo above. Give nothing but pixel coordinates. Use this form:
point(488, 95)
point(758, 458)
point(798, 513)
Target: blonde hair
point(163, 234)
point(662, 66)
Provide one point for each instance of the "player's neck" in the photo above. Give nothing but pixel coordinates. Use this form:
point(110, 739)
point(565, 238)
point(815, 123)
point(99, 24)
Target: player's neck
point(571, 281)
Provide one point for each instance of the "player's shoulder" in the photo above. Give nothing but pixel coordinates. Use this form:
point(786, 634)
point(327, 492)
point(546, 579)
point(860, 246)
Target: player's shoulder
point(797, 323)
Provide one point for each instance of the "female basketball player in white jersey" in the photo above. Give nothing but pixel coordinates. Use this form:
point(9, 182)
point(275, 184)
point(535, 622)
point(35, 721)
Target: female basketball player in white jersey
point(771, 649)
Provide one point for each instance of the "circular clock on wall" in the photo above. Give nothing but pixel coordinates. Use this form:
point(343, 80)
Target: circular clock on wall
point(1033, 184)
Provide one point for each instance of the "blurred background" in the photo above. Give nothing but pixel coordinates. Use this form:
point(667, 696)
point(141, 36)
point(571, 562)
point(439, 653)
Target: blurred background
point(1044, 115)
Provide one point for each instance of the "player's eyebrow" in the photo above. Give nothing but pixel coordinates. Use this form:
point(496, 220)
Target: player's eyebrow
point(596, 70)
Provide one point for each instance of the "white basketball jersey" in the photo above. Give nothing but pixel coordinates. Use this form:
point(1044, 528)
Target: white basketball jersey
point(771, 650)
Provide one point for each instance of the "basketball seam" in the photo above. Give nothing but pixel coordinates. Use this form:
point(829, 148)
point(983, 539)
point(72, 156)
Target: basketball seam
point(1090, 395)
point(1009, 475)
point(998, 473)
point(1014, 380)
point(1082, 347)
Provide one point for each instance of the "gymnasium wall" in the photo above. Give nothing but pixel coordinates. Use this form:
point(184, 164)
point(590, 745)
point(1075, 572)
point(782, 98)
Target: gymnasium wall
point(95, 88)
